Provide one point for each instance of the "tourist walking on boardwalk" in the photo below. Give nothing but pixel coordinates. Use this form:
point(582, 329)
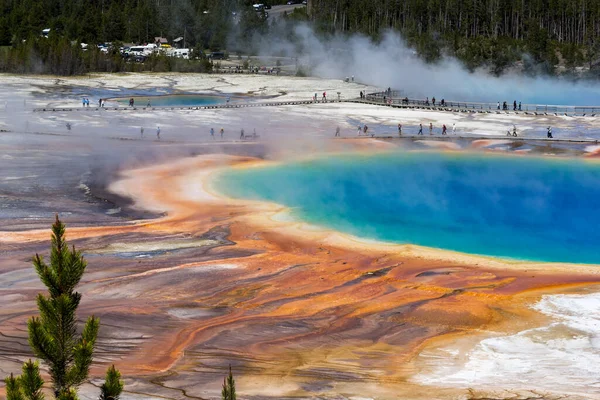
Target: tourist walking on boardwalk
point(498, 105)
point(222, 132)
point(242, 134)
point(433, 101)
point(337, 131)
point(158, 132)
point(454, 128)
point(514, 130)
point(142, 132)
point(131, 102)
point(420, 129)
point(549, 132)
point(149, 104)
point(444, 129)
point(365, 129)
point(362, 96)
point(427, 101)
point(212, 133)
point(83, 102)
point(359, 130)
point(430, 128)
point(515, 105)
point(519, 106)
point(324, 97)
point(399, 129)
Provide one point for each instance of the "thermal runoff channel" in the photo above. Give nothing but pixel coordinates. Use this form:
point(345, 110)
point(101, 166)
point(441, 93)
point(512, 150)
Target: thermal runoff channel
point(524, 208)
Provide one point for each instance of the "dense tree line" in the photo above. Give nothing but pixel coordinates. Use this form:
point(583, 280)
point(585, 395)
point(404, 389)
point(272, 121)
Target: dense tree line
point(494, 33)
point(476, 31)
point(572, 21)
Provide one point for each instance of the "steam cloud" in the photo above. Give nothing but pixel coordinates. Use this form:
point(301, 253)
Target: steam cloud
point(391, 63)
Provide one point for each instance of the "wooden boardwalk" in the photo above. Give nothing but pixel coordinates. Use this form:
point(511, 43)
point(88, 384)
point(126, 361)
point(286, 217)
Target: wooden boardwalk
point(185, 108)
point(450, 138)
point(477, 108)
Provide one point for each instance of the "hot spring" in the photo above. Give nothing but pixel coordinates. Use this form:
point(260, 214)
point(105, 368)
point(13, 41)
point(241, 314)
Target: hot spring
point(526, 208)
point(178, 100)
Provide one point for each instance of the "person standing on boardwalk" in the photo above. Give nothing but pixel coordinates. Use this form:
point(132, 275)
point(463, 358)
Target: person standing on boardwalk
point(444, 129)
point(212, 133)
point(222, 132)
point(515, 105)
point(365, 129)
point(430, 128)
point(454, 128)
point(420, 129)
point(324, 97)
point(498, 105)
point(549, 132)
point(359, 130)
point(519, 106)
point(242, 134)
point(158, 132)
point(514, 130)
point(337, 131)
point(399, 129)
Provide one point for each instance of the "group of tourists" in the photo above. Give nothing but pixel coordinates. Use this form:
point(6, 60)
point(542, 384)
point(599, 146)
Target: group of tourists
point(323, 98)
point(244, 136)
point(221, 132)
point(364, 130)
point(516, 107)
point(157, 132)
point(433, 102)
point(420, 132)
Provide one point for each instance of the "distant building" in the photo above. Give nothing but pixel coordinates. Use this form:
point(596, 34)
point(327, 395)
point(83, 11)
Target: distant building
point(178, 42)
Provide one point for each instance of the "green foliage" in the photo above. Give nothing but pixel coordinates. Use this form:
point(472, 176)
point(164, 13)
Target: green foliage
point(488, 33)
point(53, 335)
point(31, 382)
point(113, 385)
point(13, 390)
point(228, 390)
point(28, 386)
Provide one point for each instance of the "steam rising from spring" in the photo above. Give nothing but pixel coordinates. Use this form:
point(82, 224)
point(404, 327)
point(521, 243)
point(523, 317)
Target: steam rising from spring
point(391, 63)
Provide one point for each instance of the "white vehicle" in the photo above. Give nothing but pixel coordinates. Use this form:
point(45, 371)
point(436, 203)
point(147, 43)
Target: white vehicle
point(181, 53)
point(142, 50)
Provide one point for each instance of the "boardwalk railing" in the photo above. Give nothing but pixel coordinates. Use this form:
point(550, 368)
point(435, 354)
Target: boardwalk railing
point(394, 98)
point(204, 107)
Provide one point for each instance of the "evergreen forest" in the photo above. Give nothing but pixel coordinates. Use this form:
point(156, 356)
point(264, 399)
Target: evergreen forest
point(548, 36)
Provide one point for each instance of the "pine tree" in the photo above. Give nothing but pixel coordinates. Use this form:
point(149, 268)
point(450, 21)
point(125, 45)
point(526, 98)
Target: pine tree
point(27, 386)
point(113, 385)
point(228, 391)
point(53, 335)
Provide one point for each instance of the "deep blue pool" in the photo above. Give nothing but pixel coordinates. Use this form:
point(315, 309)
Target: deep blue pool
point(507, 206)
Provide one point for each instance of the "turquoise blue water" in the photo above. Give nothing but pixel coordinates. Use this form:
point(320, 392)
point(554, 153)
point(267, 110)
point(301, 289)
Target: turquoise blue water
point(506, 206)
point(183, 100)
